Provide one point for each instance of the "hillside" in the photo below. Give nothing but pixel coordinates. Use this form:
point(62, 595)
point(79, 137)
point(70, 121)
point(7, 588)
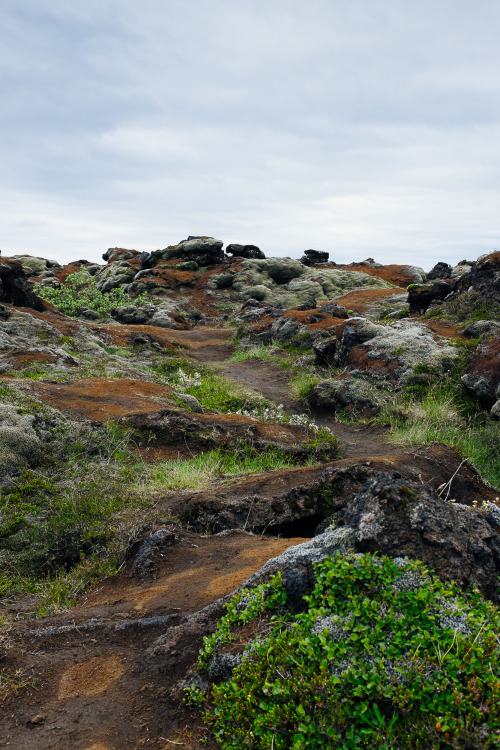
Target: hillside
point(183, 426)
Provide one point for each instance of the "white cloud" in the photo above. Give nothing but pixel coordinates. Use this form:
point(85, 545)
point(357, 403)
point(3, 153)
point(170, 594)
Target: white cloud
point(367, 128)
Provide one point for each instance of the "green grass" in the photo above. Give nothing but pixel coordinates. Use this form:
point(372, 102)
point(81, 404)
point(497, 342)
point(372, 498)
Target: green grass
point(213, 391)
point(446, 415)
point(302, 384)
point(263, 353)
point(382, 656)
point(223, 463)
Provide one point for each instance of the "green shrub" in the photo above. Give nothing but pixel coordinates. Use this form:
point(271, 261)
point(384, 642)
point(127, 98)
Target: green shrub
point(384, 656)
point(80, 292)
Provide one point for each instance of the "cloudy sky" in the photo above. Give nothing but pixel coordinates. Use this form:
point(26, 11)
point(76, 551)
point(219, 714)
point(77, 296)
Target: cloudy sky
point(365, 128)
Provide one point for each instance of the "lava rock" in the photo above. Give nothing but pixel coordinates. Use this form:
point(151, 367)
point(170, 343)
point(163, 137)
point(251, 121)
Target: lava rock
point(482, 374)
point(311, 257)
point(15, 288)
point(398, 519)
point(245, 251)
point(440, 271)
point(420, 296)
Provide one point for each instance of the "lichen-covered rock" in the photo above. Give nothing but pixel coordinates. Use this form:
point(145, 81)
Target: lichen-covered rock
point(133, 314)
point(287, 283)
point(221, 280)
point(20, 446)
point(169, 319)
point(399, 519)
point(35, 266)
point(190, 402)
point(377, 359)
point(118, 273)
point(355, 395)
point(390, 350)
point(205, 251)
point(113, 253)
point(311, 257)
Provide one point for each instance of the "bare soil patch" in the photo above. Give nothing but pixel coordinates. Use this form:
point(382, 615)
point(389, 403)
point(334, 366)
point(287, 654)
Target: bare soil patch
point(95, 688)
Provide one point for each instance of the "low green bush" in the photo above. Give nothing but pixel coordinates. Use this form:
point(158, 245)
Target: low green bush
point(384, 656)
point(80, 292)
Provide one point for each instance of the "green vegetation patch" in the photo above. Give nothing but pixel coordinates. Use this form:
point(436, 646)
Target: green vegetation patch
point(80, 292)
point(228, 461)
point(384, 656)
point(213, 391)
point(63, 522)
point(465, 309)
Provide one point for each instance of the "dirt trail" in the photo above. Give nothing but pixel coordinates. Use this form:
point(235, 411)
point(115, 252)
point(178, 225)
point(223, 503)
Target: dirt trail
point(95, 688)
point(273, 382)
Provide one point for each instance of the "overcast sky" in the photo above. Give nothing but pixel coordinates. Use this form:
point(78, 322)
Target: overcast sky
point(365, 128)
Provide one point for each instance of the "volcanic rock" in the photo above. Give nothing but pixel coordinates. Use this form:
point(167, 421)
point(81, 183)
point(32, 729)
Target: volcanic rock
point(482, 375)
point(440, 271)
point(245, 251)
point(398, 519)
point(420, 296)
point(15, 287)
point(311, 257)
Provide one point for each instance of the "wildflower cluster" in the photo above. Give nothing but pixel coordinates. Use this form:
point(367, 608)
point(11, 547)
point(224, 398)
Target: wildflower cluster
point(278, 414)
point(185, 380)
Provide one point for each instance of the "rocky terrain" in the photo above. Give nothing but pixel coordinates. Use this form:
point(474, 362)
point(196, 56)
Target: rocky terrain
point(192, 424)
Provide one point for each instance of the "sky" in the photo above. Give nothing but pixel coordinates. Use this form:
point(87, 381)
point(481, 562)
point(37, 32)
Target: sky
point(368, 128)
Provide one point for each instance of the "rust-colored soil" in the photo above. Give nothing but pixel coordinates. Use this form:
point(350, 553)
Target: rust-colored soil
point(96, 685)
point(104, 399)
point(360, 300)
point(394, 274)
point(442, 328)
point(19, 360)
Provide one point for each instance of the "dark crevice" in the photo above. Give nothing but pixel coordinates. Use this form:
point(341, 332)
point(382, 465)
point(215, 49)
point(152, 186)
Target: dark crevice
point(302, 527)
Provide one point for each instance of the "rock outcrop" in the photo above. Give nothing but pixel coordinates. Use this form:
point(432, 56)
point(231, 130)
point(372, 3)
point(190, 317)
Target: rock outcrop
point(15, 288)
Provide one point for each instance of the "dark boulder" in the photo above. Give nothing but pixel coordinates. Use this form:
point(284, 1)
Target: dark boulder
point(119, 253)
point(482, 374)
point(440, 271)
point(420, 296)
point(484, 277)
point(15, 288)
point(395, 518)
point(311, 257)
point(251, 252)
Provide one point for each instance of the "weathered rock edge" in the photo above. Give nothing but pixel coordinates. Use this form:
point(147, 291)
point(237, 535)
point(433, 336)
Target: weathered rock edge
point(389, 516)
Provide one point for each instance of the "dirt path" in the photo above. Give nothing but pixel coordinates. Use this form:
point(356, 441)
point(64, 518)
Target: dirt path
point(273, 382)
point(97, 688)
